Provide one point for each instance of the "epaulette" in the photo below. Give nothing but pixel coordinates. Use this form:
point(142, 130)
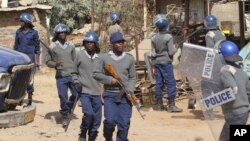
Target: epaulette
point(229, 69)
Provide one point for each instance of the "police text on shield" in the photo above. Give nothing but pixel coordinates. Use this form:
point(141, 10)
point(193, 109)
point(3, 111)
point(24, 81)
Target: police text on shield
point(218, 99)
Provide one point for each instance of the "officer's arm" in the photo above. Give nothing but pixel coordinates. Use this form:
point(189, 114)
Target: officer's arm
point(16, 42)
point(153, 52)
point(131, 76)
point(73, 53)
point(99, 74)
point(75, 72)
point(228, 80)
point(248, 89)
point(171, 49)
point(37, 44)
point(50, 62)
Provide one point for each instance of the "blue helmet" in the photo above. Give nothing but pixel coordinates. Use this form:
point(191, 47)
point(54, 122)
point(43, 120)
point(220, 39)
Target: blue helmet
point(161, 22)
point(210, 22)
point(230, 51)
point(61, 28)
point(26, 17)
point(91, 37)
point(115, 17)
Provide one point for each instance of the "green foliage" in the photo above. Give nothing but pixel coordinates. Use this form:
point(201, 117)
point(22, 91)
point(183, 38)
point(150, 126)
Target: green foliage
point(69, 12)
point(131, 21)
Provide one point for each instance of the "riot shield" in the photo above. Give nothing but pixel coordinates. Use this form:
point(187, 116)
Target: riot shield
point(202, 66)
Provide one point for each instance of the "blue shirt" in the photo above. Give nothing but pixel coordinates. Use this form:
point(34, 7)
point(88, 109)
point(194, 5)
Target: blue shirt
point(27, 42)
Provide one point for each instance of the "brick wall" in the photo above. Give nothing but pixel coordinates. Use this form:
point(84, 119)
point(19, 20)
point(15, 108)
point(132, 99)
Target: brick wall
point(8, 26)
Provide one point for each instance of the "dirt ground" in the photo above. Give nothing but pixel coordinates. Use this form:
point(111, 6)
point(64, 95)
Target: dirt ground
point(158, 126)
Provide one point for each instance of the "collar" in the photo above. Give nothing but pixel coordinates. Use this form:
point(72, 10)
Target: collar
point(62, 45)
point(93, 57)
point(30, 30)
point(113, 56)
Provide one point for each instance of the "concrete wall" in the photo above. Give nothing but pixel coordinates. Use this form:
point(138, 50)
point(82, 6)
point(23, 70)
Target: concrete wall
point(227, 12)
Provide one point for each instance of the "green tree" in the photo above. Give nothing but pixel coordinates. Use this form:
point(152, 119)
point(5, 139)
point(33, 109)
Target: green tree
point(70, 12)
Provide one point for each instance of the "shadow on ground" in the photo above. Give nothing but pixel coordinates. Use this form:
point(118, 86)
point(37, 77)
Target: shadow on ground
point(56, 117)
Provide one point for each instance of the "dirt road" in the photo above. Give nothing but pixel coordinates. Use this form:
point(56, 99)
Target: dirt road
point(158, 126)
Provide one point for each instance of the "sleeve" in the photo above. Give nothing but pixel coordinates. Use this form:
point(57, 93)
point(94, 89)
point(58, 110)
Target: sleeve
point(75, 73)
point(153, 52)
point(132, 76)
point(99, 74)
point(228, 80)
point(49, 60)
point(248, 89)
point(16, 42)
point(37, 43)
point(73, 53)
point(171, 49)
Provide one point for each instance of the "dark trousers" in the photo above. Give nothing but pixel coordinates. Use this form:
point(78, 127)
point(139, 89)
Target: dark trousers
point(116, 114)
point(165, 73)
point(92, 109)
point(2, 107)
point(232, 119)
point(30, 87)
point(63, 84)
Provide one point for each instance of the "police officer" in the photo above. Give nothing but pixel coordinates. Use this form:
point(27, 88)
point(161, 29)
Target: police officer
point(115, 23)
point(214, 34)
point(116, 112)
point(232, 76)
point(162, 56)
point(88, 87)
point(61, 57)
point(27, 42)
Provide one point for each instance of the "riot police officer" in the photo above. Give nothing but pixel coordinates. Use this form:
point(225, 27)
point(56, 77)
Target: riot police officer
point(88, 87)
point(115, 23)
point(61, 57)
point(27, 42)
point(162, 56)
point(214, 34)
point(117, 108)
point(235, 112)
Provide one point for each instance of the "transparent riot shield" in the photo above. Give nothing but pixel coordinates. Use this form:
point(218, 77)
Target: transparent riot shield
point(201, 66)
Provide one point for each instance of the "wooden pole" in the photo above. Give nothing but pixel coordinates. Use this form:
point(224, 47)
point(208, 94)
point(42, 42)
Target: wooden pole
point(92, 15)
point(145, 15)
point(242, 23)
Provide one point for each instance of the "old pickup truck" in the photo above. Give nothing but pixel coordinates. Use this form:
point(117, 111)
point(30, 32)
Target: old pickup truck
point(15, 75)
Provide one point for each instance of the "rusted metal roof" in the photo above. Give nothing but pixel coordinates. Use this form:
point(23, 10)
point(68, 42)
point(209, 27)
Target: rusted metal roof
point(21, 8)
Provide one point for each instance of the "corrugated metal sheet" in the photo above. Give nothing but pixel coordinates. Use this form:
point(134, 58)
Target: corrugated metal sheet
point(21, 8)
point(161, 5)
point(196, 13)
point(196, 7)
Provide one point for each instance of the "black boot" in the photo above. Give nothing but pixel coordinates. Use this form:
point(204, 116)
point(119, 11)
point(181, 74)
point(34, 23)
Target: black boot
point(171, 106)
point(159, 106)
point(92, 136)
point(82, 135)
point(29, 99)
point(65, 120)
point(108, 133)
